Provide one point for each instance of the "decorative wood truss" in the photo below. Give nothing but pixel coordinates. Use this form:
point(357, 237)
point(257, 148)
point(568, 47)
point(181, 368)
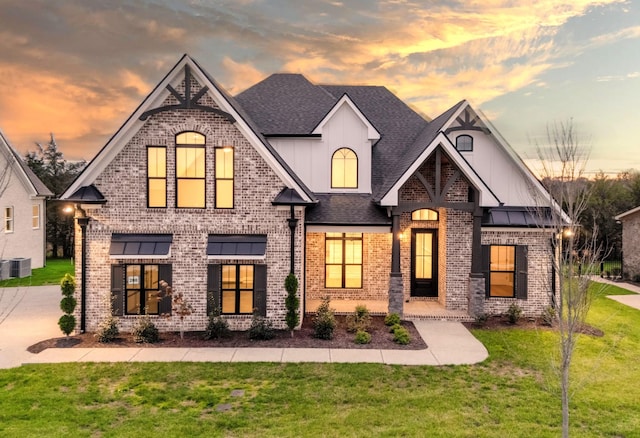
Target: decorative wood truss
point(187, 101)
point(468, 124)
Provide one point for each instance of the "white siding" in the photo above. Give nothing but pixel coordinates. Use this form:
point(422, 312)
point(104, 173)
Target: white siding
point(24, 241)
point(310, 158)
point(497, 169)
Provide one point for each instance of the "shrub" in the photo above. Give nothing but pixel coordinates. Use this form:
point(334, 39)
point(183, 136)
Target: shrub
point(514, 313)
point(325, 321)
point(68, 304)
point(548, 316)
point(218, 327)
point(362, 337)
point(360, 320)
point(108, 330)
point(67, 323)
point(145, 331)
point(392, 319)
point(394, 327)
point(292, 302)
point(261, 328)
point(481, 319)
point(401, 336)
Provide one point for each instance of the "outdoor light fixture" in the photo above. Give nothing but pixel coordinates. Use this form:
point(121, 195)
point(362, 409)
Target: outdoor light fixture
point(68, 209)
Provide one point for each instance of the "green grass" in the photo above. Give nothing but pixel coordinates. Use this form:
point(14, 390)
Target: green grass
point(50, 274)
point(512, 394)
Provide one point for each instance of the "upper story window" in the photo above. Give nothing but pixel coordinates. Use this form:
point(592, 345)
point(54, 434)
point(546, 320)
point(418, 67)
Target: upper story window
point(464, 143)
point(344, 169)
point(424, 214)
point(8, 219)
point(156, 176)
point(224, 177)
point(190, 170)
point(35, 216)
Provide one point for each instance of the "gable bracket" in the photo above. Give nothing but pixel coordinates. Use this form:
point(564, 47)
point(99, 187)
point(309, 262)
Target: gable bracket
point(187, 101)
point(438, 196)
point(467, 124)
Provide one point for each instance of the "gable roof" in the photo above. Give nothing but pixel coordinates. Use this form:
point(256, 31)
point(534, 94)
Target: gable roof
point(626, 213)
point(30, 180)
point(227, 104)
point(372, 132)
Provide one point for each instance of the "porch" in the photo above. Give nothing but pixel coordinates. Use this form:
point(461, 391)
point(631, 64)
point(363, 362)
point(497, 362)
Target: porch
point(413, 310)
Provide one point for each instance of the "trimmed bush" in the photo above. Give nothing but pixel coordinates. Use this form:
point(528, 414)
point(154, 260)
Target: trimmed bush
point(324, 322)
point(67, 323)
point(108, 330)
point(68, 304)
point(392, 319)
point(360, 320)
point(394, 327)
point(401, 336)
point(218, 327)
point(514, 313)
point(145, 331)
point(261, 328)
point(292, 302)
point(362, 337)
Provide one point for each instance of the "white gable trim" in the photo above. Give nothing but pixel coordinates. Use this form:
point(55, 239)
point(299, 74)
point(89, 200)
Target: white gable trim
point(372, 132)
point(133, 124)
point(626, 213)
point(15, 168)
point(487, 198)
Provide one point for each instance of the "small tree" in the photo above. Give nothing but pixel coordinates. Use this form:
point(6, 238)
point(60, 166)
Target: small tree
point(67, 322)
point(179, 304)
point(292, 302)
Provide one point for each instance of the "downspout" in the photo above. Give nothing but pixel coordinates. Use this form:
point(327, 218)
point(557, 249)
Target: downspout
point(83, 221)
point(292, 226)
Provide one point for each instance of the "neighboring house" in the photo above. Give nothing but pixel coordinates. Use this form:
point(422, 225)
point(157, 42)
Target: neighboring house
point(346, 186)
point(23, 202)
point(630, 242)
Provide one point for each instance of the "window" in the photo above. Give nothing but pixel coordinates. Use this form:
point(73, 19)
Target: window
point(237, 289)
point(343, 260)
point(344, 169)
point(224, 177)
point(464, 143)
point(8, 219)
point(424, 214)
point(190, 170)
point(502, 271)
point(156, 176)
point(35, 216)
point(505, 269)
point(142, 289)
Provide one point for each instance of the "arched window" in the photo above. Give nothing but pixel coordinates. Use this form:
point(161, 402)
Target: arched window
point(424, 214)
point(344, 169)
point(464, 143)
point(190, 170)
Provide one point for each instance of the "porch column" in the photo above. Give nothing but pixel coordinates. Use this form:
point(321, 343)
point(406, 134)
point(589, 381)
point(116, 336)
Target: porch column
point(396, 289)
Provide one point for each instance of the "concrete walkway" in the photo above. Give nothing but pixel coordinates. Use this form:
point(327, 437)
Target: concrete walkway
point(29, 315)
point(629, 300)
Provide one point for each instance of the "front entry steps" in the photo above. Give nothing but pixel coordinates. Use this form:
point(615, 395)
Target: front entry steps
point(420, 309)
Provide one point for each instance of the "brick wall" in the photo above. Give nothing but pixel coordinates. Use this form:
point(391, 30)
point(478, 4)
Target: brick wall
point(123, 183)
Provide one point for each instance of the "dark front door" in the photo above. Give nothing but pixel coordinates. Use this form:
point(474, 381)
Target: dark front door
point(424, 263)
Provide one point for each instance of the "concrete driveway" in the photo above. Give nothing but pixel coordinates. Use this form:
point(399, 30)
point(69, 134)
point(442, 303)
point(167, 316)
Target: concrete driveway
point(27, 315)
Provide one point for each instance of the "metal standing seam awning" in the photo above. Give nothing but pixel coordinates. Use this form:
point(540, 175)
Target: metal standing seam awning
point(237, 246)
point(137, 246)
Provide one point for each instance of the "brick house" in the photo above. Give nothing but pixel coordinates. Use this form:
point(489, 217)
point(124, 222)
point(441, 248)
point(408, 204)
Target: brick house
point(347, 187)
point(23, 198)
point(630, 242)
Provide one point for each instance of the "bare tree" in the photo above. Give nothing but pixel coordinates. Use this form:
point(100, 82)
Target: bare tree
point(572, 252)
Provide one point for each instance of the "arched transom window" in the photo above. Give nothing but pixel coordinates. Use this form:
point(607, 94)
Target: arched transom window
point(190, 170)
point(424, 214)
point(344, 169)
point(464, 143)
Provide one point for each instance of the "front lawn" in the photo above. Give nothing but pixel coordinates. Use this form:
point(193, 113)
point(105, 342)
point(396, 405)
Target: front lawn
point(50, 274)
point(511, 394)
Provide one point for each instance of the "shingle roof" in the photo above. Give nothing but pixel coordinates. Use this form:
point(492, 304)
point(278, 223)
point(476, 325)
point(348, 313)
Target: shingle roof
point(346, 209)
point(37, 185)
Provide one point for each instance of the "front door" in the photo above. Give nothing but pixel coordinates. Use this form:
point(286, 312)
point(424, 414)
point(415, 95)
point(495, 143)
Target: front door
point(424, 263)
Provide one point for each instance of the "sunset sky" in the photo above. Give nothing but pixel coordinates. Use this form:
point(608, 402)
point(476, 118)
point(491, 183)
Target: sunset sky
point(79, 68)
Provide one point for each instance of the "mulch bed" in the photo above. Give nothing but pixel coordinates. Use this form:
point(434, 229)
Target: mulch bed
point(501, 322)
point(303, 338)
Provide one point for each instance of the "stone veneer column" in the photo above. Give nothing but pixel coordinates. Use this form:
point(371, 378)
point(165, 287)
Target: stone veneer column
point(476, 295)
point(396, 290)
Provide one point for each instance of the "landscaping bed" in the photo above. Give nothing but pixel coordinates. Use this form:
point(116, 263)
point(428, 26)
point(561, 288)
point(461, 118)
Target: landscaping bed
point(303, 338)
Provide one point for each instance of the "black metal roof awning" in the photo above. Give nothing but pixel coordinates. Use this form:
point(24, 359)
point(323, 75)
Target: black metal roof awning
point(135, 246)
point(237, 246)
point(528, 217)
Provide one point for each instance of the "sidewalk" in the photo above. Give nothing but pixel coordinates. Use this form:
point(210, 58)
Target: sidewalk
point(450, 343)
point(629, 300)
